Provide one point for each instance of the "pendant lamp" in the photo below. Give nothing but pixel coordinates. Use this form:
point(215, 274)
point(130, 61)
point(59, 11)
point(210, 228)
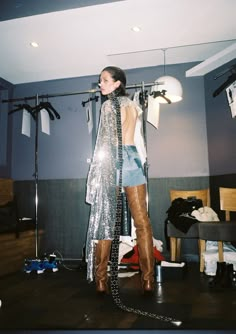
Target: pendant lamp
point(167, 88)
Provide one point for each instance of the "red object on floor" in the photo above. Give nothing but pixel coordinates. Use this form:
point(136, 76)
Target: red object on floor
point(133, 257)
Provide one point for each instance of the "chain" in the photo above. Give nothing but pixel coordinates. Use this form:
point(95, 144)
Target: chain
point(115, 290)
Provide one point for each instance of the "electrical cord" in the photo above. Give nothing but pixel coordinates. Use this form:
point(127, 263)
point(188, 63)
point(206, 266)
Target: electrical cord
point(62, 260)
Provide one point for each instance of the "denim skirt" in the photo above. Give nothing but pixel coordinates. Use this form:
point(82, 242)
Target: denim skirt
point(132, 171)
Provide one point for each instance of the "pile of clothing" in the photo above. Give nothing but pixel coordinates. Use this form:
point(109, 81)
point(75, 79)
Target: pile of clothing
point(180, 213)
point(132, 257)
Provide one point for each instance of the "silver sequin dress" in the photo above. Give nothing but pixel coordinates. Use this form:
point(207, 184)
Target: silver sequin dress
point(101, 181)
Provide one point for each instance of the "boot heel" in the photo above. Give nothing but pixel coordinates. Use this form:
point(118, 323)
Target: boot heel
point(148, 287)
point(102, 287)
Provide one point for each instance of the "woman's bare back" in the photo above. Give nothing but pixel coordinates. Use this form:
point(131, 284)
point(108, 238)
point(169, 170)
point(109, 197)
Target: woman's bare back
point(128, 120)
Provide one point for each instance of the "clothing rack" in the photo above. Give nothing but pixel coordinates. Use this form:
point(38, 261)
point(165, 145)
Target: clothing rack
point(34, 112)
point(91, 91)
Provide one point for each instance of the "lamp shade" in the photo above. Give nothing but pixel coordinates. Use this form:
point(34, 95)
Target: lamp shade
point(170, 87)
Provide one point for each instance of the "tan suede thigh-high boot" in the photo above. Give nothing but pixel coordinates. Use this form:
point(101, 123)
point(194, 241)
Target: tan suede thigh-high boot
point(103, 248)
point(137, 203)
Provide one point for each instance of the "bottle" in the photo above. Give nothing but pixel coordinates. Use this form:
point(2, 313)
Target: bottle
point(158, 272)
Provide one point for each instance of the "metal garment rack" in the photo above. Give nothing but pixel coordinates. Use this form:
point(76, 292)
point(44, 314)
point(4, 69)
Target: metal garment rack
point(47, 96)
point(91, 91)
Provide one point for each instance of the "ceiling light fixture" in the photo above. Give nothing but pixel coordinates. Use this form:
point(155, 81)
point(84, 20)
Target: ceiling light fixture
point(167, 89)
point(136, 29)
point(34, 44)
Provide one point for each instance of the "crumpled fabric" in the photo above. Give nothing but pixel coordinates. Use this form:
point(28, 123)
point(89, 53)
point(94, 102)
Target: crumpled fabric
point(101, 181)
point(205, 214)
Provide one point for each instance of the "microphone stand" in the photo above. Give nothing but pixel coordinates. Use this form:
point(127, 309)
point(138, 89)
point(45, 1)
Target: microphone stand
point(47, 263)
point(36, 178)
point(34, 113)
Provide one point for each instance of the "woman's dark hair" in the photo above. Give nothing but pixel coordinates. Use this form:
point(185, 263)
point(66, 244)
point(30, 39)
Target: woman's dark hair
point(117, 74)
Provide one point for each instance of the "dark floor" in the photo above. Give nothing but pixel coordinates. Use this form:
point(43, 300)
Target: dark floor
point(64, 300)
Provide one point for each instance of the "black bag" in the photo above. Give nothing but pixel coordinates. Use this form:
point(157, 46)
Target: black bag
point(179, 214)
point(180, 206)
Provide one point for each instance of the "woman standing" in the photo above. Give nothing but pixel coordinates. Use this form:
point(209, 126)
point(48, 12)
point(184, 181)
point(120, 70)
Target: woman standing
point(108, 172)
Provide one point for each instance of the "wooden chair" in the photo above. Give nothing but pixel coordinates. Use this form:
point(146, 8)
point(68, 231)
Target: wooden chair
point(222, 232)
point(176, 235)
point(227, 201)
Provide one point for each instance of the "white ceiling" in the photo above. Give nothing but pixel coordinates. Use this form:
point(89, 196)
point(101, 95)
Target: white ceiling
point(80, 42)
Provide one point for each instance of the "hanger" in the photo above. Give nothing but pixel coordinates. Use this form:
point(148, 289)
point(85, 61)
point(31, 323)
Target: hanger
point(49, 108)
point(161, 94)
point(143, 95)
point(41, 106)
point(90, 99)
point(228, 82)
point(47, 105)
point(23, 106)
